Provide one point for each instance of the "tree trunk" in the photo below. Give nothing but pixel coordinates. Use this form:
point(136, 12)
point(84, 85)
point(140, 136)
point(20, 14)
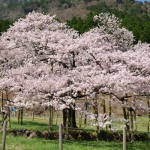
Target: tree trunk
point(85, 117)
point(2, 107)
point(148, 103)
point(80, 120)
point(3, 118)
point(8, 110)
point(95, 110)
point(52, 114)
point(57, 113)
point(104, 106)
point(18, 115)
point(131, 125)
point(128, 116)
point(21, 116)
point(50, 117)
point(125, 114)
point(72, 117)
point(73, 124)
point(65, 117)
point(135, 123)
point(33, 116)
point(69, 115)
point(110, 109)
point(9, 120)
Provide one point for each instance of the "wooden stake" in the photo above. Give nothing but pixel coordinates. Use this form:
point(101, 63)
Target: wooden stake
point(4, 135)
point(124, 138)
point(60, 138)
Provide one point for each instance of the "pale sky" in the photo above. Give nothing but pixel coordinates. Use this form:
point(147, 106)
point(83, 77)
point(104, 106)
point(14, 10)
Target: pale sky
point(143, 0)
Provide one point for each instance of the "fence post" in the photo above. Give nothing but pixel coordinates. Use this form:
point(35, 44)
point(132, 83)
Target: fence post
point(4, 135)
point(60, 137)
point(124, 138)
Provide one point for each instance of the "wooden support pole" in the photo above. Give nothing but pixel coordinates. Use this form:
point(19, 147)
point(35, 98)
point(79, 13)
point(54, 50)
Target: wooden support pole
point(124, 138)
point(4, 135)
point(60, 137)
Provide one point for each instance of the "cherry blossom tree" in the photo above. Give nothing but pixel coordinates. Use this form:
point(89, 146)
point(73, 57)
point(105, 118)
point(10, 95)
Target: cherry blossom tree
point(36, 48)
point(45, 63)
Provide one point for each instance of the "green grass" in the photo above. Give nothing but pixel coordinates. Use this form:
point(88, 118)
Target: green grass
point(41, 123)
point(23, 143)
point(141, 123)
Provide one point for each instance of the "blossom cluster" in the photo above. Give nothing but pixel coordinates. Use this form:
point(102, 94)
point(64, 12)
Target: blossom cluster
point(44, 62)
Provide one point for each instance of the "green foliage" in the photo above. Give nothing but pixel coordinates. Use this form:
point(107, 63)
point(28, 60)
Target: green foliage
point(135, 16)
point(145, 33)
point(86, 1)
point(65, 3)
point(139, 25)
point(82, 25)
point(34, 5)
point(4, 25)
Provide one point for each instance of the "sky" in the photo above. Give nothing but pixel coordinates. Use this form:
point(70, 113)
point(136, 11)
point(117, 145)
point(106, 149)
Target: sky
point(143, 0)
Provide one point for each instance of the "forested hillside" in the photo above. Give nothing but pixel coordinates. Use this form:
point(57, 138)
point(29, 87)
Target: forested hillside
point(79, 13)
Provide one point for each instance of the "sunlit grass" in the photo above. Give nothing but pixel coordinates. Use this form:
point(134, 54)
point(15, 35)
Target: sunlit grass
point(41, 123)
point(23, 143)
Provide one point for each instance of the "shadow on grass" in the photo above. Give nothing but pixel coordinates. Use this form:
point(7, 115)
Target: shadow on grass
point(138, 145)
point(33, 126)
point(29, 123)
point(111, 145)
point(96, 143)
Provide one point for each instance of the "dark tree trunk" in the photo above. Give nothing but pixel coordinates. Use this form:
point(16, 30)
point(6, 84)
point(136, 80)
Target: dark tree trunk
point(9, 120)
point(57, 114)
point(110, 109)
point(21, 116)
point(8, 111)
point(135, 123)
point(65, 117)
point(80, 120)
point(50, 117)
point(104, 106)
point(95, 111)
point(128, 117)
point(69, 117)
point(148, 104)
point(52, 114)
point(85, 117)
point(33, 116)
point(2, 107)
point(73, 117)
point(131, 124)
point(125, 114)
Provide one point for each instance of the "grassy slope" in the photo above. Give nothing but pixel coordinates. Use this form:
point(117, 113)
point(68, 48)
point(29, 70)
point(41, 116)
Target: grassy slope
point(41, 123)
point(65, 9)
point(22, 143)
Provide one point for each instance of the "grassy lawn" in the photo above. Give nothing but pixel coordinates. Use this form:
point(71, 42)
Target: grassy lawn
point(142, 123)
point(41, 123)
point(23, 143)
